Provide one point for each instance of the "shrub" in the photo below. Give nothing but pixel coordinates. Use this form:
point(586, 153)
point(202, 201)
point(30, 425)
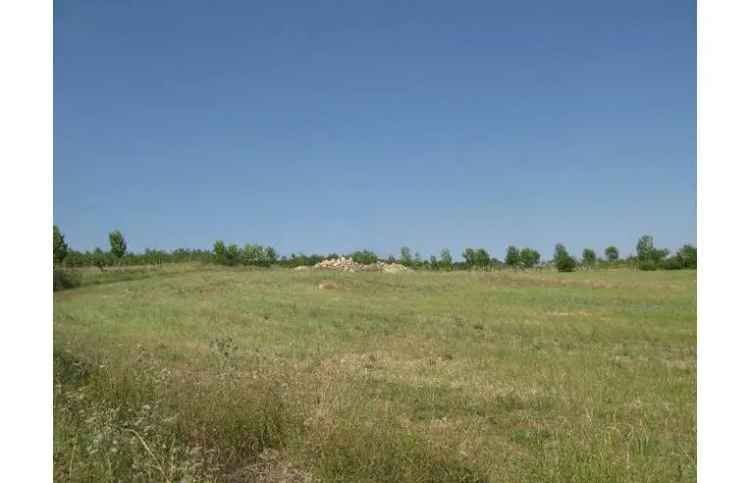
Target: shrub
point(648, 265)
point(64, 279)
point(566, 264)
point(689, 256)
point(220, 252)
point(253, 255)
point(76, 259)
point(563, 261)
point(99, 258)
point(232, 255)
point(270, 256)
point(671, 263)
point(365, 257)
point(612, 253)
point(257, 255)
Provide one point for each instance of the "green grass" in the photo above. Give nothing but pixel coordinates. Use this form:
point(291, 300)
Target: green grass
point(212, 374)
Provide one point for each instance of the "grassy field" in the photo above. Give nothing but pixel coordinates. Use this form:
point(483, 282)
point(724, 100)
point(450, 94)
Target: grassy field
point(200, 373)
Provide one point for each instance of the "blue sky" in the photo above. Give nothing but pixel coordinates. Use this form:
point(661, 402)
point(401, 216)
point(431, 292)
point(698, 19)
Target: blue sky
point(335, 126)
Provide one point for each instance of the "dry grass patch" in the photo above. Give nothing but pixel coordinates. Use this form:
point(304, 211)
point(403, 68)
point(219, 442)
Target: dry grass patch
point(327, 286)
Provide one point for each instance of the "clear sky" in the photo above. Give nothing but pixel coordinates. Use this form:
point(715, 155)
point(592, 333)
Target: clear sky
point(334, 126)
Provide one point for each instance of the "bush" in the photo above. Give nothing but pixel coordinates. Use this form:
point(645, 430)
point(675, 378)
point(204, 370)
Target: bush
point(99, 259)
point(64, 279)
point(220, 252)
point(563, 261)
point(76, 259)
point(689, 256)
point(671, 263)
point(566, 264)
point(647, 266)
point(365, 257)
point(258, 255)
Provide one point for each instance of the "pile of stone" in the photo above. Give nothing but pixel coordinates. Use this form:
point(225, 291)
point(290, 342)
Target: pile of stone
point(346, 264)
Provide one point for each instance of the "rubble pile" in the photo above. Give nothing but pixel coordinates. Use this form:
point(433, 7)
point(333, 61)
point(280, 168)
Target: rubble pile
point(346, 264)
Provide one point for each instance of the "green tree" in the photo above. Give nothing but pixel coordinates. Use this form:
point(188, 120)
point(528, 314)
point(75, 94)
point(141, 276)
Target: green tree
point(76, 259)
point(270, 256)
point(59, 247)
point(233, 254)
point(220, 252)
point(512, 257)
point(588, 257)
point(251, 255)
point(659, 254)
point(446, 260)
point(99, 259)
point(689, 256)
point(406, 258)
point(117, 244)
point(649, 257)
point(481, 258)
point(434, 264)
point(468, 255)
point(562, 259)
point(612, 253)
point(644, 249)
point(529, 258)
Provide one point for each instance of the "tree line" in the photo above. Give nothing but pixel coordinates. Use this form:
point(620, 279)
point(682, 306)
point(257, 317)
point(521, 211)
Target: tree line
point(647, 257)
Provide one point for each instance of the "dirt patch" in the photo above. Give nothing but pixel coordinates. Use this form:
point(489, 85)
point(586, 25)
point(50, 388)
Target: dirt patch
point(327, 286)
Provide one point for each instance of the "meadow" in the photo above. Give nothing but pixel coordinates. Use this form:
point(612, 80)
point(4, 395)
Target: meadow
point(208, 373)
